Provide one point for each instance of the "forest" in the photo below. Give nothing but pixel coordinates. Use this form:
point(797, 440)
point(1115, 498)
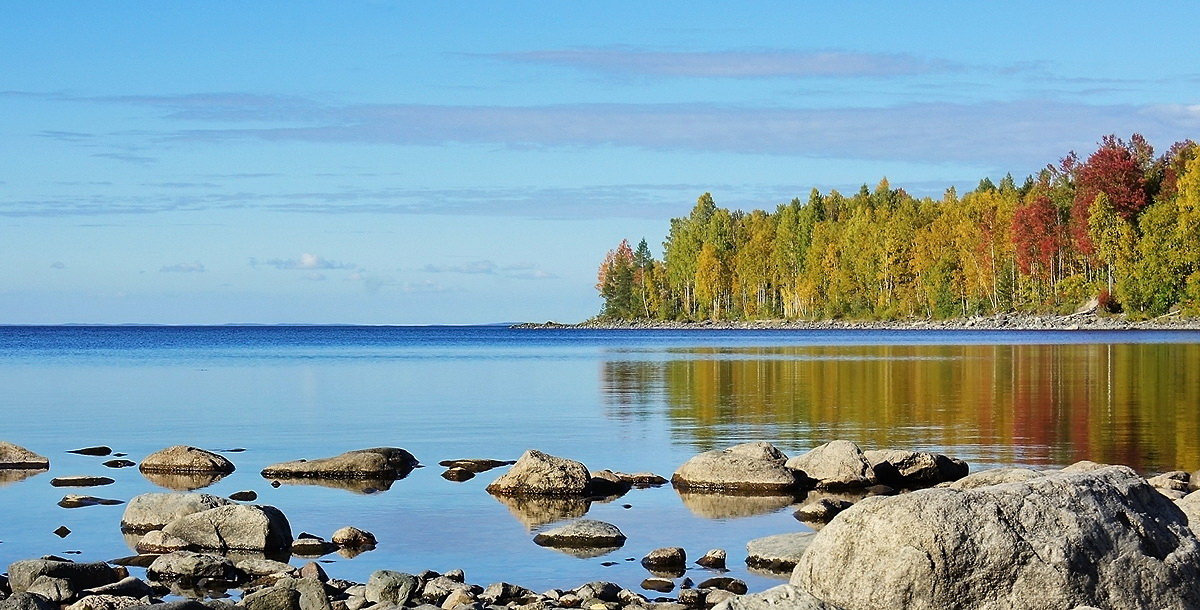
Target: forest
point(1121, 226)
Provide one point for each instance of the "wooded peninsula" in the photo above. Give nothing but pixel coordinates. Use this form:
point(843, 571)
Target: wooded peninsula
point(1121, 226)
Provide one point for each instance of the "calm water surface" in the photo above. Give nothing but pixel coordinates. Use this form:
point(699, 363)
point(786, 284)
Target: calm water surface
point(625, 400)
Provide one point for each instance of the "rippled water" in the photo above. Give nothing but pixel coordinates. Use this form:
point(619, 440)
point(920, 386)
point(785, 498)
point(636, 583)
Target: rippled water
point(625, 400)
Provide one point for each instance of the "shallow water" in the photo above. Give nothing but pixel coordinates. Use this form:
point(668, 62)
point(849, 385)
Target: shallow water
point(625, 400)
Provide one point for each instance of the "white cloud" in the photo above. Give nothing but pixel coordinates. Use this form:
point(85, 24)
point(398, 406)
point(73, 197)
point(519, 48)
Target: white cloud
point(193, 267)
point(306, 261)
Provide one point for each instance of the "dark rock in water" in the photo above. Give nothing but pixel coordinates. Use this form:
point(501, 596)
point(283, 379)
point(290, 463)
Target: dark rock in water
point(244, 496)
point(129, 586)
point(120, 463)
point(821, 511)
point(458, 474)
point(62, 531)
point(537, 473)
point(1103, 538)
point(312, 546)
point(137, 561)
point(352, 537)
point(912, 469)
point(476, 465)
point(748, 468)
point(155, 510)
point(606, 483)
point(234, 450)
point(661, 585)
point(582, 533)
point(375, 463)
point(78, 501)
point(733, 585)
point(99, 450)
point(16, 457)
point(22, 574)
point(667, 557)
point(186, 459)
point(714, 559)
point(234, 527)
point(81, 481)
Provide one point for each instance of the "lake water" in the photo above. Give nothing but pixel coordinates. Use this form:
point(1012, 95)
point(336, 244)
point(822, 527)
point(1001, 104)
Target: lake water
point(625, 400)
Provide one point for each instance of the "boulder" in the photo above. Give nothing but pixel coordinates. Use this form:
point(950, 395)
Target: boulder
point(778, 553)
point(542, 474)
point(185, 565)
point(665, 558)
point(374, 463)
point(246, 495)
point(155, 510)
point(57, 590)
point(749, 468)
point(21, 574)
point(783, 597)
point(725, 583)
point(272, 598)
point(714, 559)
point(835, 465)
point(1175, 480)
point(914, 469)
point(822, 510)
point(995, 476)
point(156, 541)
point(182, 458)
point(234, 527)
point(352, 537)
point(582, 533)
point(105, 602)
point(1190, 505)
point(26, 601)
point(262, 567)
point(16, 457)
point(1103, 538)
point(388, 587)
point(310, 592)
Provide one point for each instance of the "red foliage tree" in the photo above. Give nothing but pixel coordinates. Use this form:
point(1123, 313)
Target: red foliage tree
point(1117, 169)
point(1036, 235)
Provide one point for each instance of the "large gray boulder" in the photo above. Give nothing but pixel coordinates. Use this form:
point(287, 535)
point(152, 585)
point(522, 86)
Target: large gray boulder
point(16, 457)
point(995, 476)
point(155, 510)
point(22, 574)
point(1190, 505)
point(27, 601)
point(1102, 538)
point(235, 527)
point(835, 465)
point(783, 597)
point(185, 565)
point(747, 468)
point(389, 587)
point(912, 469)
point(374, 463)
point(183, 458)
point(537, 473)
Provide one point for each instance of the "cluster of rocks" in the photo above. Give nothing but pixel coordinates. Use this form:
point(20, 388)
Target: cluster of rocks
point(1084, 320)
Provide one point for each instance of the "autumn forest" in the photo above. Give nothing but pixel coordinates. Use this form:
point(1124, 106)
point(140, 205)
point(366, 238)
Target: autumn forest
point(1121, 225)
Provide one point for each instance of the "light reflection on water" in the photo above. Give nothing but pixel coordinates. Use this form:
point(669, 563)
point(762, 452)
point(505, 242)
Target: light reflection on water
point(625, 400)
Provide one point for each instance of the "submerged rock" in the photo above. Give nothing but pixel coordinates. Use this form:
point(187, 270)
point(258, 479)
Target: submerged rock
point(374, 463)
point(747, 468)
point(1102, 538)
point(234, 527)
point(184, 458)
point(16, 457)
point(582, 533)
point(542, 474)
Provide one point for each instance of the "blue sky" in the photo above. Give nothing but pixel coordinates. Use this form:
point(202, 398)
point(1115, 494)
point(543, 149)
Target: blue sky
point(453, 162)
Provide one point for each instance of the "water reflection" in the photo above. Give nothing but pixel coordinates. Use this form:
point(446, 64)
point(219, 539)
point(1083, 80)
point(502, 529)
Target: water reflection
point(183, 481)
point(10, 476)
point(1134, 404)
point(723, 506)
point(536, 511)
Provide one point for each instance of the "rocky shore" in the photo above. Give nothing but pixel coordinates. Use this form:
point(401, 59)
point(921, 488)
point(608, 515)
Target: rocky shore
point(887, 528)
point(1004, 321)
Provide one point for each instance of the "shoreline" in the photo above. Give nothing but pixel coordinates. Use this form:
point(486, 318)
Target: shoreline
point(1006, 321)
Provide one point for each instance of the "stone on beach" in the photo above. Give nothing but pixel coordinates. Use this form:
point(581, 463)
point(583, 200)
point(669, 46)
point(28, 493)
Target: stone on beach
point(155, 510)
point(822, 510)
point(156, 541)
point(778, 553)
point(913, 469)
point(22, 574)
point(835, 465)
point(1103, 538)
point(189, 565)
point(783, 597)
point(234, 527)
point(582, 533)
point(374, 463)
point(16, 457)
point(537, 473)
point(184, 458)
point(746, 468)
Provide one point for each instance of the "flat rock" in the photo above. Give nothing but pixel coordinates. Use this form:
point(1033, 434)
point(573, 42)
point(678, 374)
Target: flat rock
point(374, 463)
point(995, 476)
point(1175, 480)
point(130, 586)
point(778, 553)
point(97, 450)
point(914, 469)
point(81, 481)
point(537, 473)
point(747, 468)
point(104, 602)
point(1103, 538)
point(476, 465)
point(184, 458)
point(79, 501)
point(234, 527)
point(155, 510)
point(21, 574)
point(725, 583)
point(16, 457)
point(458, 474)
point(837, 464)
point(582, 533)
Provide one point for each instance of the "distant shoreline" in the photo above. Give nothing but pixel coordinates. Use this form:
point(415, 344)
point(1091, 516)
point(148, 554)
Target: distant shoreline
point(996, 322)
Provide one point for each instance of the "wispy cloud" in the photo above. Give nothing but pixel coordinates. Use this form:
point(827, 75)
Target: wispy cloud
point(58, 265)
point(193, 267)
point(756, 63)
point(306, 261)
point(127, 157)
point(525, 271)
